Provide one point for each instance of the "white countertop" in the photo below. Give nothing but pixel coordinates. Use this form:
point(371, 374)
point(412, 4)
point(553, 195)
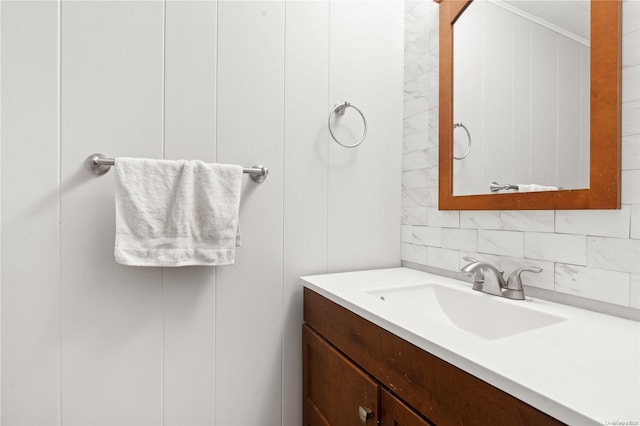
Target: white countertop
point(584, 370)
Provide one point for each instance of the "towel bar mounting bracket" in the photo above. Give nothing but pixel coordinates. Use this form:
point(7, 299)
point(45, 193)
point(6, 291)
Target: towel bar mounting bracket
point(97, 165)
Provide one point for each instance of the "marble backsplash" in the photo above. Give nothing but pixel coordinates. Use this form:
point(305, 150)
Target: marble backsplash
point(588, 255)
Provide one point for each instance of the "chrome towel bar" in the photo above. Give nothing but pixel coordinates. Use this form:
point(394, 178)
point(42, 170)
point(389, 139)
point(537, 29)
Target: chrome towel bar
point(98, 164)
point(495, 187)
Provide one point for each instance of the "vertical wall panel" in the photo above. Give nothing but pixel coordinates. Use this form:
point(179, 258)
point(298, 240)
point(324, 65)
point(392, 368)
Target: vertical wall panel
point(569, 114)
point(469, 98)
point(305, 184)
point(189, 292)
point(0, 213)
point(30, 234)
point(111, 314)
point(361, 178)
point(544, 105)
point(585, 116)
point(250, 119)
point(521, 143)
point(190, 79)
point(497, 108)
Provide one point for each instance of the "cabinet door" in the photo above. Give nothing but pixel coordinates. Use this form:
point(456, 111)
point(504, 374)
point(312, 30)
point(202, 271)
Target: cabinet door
point(335, 391)
point(394, 412)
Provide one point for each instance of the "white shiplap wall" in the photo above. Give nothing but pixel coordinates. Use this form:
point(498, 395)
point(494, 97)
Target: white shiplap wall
point(86, 341)
point(593, 255)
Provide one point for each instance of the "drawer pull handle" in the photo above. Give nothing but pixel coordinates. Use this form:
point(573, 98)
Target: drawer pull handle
point(365, 414)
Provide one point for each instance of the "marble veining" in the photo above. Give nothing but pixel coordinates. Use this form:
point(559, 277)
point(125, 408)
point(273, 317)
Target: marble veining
point(414, 178)
point(630, 47)
point(415, 141)
point(443, 258)
point(527, 220)
point(414, 215)
point(415, 124)
point(460, 239)
point(415, 160)
point(443, 218)
point(614, 254)
point(593, 283)
point(634, 293)
point(630, 16)
point(631, 86)
point(491, 258)
point(630, 112)
point(631, 149)
point(557, 247)
point(480, 219)
point(414, 253)
point(635, 222)
point(601, 223)
point(427, 236)
point(415, 103)
point(406, 233)
point(630, 182)
point(414, 197)
point(509, 243)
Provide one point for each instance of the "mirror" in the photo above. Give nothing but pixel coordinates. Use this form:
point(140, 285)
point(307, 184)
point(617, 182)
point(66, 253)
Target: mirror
point(521, 95)
point(593, 182)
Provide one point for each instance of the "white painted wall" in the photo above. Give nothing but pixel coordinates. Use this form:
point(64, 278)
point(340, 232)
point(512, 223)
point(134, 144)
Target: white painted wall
point(522, 90)
point(589, 257)
point(86, 341)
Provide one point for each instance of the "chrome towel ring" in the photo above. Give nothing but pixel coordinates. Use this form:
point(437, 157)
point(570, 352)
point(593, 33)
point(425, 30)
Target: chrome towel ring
point(339, 110)
point(468, 137)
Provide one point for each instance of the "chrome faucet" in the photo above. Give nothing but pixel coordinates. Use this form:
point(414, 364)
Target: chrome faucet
point(494, 283)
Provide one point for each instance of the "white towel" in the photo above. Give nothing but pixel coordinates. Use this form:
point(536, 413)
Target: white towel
point(176, 213)
point(535, 188)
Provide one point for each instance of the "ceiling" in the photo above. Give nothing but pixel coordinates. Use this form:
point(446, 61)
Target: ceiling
point(572, 16)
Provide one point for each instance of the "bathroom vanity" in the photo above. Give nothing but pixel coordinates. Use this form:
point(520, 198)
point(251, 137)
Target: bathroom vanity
point(370, 355)
point(337, 390)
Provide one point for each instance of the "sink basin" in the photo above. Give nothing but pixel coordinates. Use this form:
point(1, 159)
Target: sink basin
point(486, 316)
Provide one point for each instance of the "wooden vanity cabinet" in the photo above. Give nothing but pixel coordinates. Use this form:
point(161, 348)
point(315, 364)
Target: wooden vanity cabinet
point(394, 412)
point(350, 362)
point(337, 392)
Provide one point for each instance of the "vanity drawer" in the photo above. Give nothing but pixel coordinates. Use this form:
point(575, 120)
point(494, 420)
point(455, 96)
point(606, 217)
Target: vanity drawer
point(334, 388)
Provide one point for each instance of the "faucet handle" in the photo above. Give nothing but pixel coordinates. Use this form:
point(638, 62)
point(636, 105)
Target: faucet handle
point(515, 281)
point(478, 276)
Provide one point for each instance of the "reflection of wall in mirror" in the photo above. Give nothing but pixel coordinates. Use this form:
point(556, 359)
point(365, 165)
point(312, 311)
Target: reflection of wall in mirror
point(522, 90)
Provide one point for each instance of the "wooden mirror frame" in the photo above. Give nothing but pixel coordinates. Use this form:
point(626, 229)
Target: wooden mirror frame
point(604, 188)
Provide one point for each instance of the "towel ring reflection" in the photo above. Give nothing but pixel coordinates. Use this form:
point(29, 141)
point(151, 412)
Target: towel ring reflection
point(468, 137)
point(339, 110)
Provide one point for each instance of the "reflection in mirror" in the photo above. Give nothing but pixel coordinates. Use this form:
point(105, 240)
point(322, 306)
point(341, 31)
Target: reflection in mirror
point(521, 96)
point(603, 190)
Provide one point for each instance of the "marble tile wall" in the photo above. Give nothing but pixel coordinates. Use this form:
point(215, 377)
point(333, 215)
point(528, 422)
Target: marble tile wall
point(593, 255)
